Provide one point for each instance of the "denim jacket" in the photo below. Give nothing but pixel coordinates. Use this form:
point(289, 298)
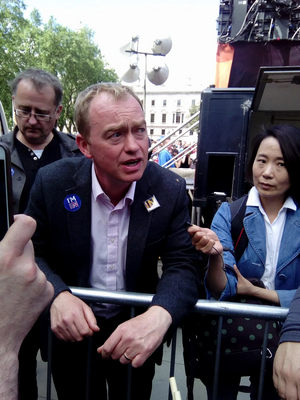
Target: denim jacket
point(252, 262)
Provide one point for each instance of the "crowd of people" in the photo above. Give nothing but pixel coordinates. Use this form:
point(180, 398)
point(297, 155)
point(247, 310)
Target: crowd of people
point(180, 152)
point(100, 216)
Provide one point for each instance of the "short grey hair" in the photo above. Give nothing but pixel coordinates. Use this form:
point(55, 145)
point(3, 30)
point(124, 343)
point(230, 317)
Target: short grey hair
point(40, 79)
point(84, 99)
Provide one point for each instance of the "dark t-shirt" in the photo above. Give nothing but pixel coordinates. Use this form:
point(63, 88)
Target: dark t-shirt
point(31, 164)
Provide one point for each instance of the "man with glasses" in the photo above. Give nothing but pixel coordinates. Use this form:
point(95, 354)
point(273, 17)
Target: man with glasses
point(34, 143)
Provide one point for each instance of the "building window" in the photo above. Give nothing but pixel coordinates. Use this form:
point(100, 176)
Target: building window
point(152, 102)
point(164, 118)
point(151, 131)
point(193, 103)
point(164, 102)
point(178, 115)
point(163, 131)
point(174, 118)
point(178, 103)
point(182, 118)
point(152, 118)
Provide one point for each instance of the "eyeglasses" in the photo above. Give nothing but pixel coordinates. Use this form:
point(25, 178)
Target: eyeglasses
point(38, 117)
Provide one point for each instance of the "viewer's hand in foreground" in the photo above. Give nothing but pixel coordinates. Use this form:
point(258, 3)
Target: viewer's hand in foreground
point(71, 319)
point(138, 337)
point(24, 290)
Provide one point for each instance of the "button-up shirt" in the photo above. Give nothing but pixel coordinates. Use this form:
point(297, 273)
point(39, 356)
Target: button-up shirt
point(109, 236)
point(274, 233)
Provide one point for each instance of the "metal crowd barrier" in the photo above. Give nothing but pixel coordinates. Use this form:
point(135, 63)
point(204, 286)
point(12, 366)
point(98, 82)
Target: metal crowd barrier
point(221, 309)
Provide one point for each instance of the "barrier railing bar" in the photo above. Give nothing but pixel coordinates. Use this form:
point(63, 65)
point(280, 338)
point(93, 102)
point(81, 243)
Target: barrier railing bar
point(111, 297)
point(223, 308)
point(219, 308)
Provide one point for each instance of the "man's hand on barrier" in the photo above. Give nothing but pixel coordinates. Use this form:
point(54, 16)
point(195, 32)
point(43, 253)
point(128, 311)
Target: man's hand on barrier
point(286, 371)
point(71, 319)
point(135, 340)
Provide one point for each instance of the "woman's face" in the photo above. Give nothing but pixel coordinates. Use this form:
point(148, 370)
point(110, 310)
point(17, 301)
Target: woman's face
point(270, 175)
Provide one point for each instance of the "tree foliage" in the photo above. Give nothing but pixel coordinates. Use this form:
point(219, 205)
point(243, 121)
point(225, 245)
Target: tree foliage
point(70, 55)
point(192, 111)
point(12, 24)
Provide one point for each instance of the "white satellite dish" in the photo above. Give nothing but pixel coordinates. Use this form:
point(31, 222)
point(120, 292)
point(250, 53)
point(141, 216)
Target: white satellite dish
point(132, 74)
point(159, 74)
point(125, 50)
point(162, 46)
point(132, 45)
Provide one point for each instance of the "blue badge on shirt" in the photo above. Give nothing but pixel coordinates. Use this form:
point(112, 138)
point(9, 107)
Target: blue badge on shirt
point(72, 202)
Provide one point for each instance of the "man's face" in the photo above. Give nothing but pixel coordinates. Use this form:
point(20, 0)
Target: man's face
point(118, 141)
point(27, 98)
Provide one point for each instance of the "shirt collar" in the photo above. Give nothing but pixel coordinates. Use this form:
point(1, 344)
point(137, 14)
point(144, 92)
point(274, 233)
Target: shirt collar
point(98, 191)
point(254, 200)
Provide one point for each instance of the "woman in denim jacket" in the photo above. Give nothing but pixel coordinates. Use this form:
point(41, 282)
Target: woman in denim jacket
point(272, 225)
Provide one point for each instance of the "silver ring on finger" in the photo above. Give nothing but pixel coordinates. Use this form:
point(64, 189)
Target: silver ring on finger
point(127, 358)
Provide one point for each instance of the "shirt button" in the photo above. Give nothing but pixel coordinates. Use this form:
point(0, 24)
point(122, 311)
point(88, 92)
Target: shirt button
point(282, 277)
point(111, 267)
point(112, 240)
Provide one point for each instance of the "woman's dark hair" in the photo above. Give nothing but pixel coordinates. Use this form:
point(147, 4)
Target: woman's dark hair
point(288, 137)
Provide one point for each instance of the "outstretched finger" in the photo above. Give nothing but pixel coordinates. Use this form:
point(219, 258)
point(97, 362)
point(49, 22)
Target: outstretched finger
point(19, 234)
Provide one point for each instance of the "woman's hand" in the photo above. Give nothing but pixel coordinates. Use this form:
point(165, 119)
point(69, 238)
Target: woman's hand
point(244, 287)
point(205, 240)
point(208, 242)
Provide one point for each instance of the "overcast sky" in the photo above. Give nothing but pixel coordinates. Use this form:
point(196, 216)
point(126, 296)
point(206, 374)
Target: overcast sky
point(190, 23)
